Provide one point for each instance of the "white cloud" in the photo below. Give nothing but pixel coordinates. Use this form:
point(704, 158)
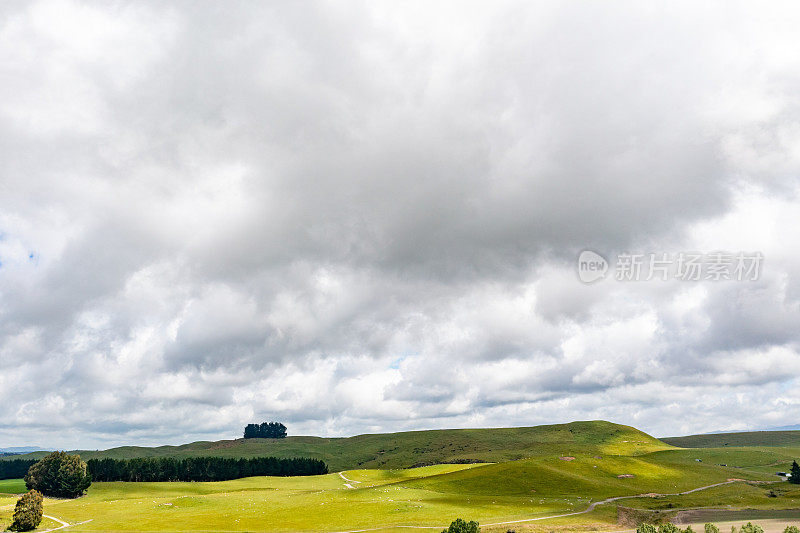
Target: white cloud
point(365, 217)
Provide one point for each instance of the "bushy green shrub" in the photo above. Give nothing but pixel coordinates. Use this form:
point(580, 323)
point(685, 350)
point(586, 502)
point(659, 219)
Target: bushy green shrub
point(28, 512)
point(751, 528)
point(711, 528)
point(791, 529)
point(60, 475)
point(646, 528)
point(460, 526)
point(669, 528)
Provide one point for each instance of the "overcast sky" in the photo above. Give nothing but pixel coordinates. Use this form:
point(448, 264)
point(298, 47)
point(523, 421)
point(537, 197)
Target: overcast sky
point(365, 216)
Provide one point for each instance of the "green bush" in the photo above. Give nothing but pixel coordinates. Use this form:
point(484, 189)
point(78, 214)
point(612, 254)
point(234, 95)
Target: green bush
point(460, 526)
point(688, 529)
point(791, 529)
point(28, 512)
point(669, 528)
point(646, 528)
point(60, 475)
point(711, 528)
point(750, 528)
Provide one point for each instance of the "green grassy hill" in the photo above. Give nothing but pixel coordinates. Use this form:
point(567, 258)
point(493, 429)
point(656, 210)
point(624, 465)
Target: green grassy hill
point(418, 448)
point(745, 438)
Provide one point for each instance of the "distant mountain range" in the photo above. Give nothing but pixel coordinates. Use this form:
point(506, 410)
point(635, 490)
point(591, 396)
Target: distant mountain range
point(795, 427)
point(23, 449)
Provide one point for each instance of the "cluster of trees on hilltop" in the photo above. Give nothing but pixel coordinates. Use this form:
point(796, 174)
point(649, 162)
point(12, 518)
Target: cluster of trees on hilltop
point(200, 468)
point(265, 430)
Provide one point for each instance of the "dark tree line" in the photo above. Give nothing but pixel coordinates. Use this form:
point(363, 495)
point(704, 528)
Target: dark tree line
point(15, 468)
point(200, 468)
point(265, 430)
point(172, 469)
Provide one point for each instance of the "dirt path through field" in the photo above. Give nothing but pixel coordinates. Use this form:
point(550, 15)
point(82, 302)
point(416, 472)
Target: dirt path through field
point(54, 519)
point(348, 480)
point(63, 524)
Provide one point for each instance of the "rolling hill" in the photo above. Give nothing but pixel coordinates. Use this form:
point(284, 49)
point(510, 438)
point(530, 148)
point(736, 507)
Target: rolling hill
point(417, 448)
point(745, 438)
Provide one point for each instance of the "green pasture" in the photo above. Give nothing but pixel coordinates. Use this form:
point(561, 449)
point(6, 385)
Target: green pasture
point(12, 486)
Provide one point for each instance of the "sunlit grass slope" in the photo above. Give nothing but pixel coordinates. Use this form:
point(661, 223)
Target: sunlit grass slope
point(587, 476)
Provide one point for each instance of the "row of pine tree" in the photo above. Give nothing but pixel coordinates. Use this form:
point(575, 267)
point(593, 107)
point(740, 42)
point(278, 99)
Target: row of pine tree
point(200, 468)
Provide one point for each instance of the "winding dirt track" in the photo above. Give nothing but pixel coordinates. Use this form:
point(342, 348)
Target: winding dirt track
point(63, 524)
point(589, 509)
point(348, 480)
